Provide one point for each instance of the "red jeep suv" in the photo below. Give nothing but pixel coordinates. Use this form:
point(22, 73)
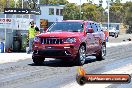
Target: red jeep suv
point(70, 40)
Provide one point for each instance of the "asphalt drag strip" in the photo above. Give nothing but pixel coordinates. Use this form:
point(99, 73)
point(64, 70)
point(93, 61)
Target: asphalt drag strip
point(55, 74)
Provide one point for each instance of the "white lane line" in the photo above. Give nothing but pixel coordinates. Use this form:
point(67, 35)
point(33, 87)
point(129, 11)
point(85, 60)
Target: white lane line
point(118, 44)
point(127, 69)
point(13, 57)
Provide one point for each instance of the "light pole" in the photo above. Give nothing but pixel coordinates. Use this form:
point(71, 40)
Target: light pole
point(7, 6)
point(108, 3)
point(38, 2)
point(80, 9)
point(38, 21)
point(22, 4)
point(22, 14)
point(5, 33)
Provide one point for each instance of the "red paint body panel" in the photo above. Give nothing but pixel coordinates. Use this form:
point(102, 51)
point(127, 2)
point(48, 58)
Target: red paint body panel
point(57, 47)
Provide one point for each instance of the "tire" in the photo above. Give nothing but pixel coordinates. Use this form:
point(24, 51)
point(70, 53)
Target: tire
point(102, 53)
point(38, 60)
point(113, 35)
point(81, 56)
point(116, 35)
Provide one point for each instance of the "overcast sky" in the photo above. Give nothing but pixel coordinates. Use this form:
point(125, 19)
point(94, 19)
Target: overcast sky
point(95, 1)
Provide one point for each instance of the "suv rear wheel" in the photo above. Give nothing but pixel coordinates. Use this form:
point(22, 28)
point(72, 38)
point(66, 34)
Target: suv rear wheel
point(81, 56)
point(102, 53)
point(38, 60)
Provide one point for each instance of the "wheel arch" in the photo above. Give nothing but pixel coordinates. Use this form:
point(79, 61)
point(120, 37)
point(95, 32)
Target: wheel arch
point(84, 44)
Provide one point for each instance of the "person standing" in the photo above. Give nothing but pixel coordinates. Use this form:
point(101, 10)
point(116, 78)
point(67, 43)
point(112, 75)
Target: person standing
point(31, 35)
point(37, 30)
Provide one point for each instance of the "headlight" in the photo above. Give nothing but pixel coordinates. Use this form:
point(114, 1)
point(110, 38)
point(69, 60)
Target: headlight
point(71, 40)
point(36, 39)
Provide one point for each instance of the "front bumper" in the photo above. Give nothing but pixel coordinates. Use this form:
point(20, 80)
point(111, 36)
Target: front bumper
point(56, 51)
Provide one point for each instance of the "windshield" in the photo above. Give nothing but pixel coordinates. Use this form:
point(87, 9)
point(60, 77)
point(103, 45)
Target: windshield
point(66, 26)
point(112, 28)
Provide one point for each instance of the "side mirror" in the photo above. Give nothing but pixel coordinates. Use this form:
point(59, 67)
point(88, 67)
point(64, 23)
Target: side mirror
point(89, 30)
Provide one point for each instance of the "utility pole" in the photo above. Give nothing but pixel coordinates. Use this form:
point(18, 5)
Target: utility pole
point(108, 3)
point(108, 14)
point(22, 4)
point(7, 3)
point(7, 6)
point(38, 21)
point(80, 10)
point(22, 14)
point(38, 2)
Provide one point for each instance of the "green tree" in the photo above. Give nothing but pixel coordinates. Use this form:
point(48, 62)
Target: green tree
point(128, 15)
point(6, 3)
point(71, 11)
point(44, 1)
point(90, 1)
point(118, 1)
point(30, 4)
point(53, 2)
point(117, 12)
point(90, 12)
point(2, 5)
point(115, 1)
point(12, 3)
point(101, 16)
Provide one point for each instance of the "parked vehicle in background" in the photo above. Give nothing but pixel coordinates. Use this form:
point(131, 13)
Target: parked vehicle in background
point(72, 40)
point(113, 32)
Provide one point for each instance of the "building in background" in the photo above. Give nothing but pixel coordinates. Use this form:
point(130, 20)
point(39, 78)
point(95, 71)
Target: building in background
point(16, 25)
point(49, 14)
point(118, 26)
point(12, 29)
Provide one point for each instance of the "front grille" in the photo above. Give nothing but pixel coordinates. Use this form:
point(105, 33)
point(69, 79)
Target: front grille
point(51, 41)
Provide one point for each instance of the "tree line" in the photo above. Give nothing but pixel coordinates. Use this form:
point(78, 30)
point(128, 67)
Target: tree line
point(119, 12)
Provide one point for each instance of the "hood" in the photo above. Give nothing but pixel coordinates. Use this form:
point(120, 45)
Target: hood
point(61, 34)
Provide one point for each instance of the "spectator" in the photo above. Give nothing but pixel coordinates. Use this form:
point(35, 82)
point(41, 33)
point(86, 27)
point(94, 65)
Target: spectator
point(37, 30)
point(31, 34)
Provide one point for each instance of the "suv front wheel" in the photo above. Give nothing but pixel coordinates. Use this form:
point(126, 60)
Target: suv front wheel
point(38, 60)
point(81, 56)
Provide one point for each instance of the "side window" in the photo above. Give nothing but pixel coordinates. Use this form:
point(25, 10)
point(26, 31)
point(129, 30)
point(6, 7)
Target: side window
point(57, 11)
point(88, 26)
point(94, 27)
point(61, 12)
point(98, 27)
point(51, 11)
